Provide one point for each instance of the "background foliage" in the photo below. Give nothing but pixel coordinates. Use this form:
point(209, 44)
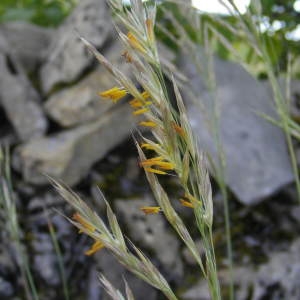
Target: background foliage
point(40, 12)
point(279, 19)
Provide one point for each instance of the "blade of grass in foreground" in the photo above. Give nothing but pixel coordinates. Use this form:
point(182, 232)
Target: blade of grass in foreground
point(8, 205)
point(59, 256)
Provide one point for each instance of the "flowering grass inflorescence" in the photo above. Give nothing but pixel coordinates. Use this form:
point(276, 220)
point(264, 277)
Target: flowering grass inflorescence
point(172, 150)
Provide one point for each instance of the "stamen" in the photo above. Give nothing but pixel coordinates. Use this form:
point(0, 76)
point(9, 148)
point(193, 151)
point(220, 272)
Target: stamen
point(127, 57)
point(140, 111)
point(133, 41)
point(149, 25)
point(150, 209)
point(186, 203)
point(151, 170)
point(148, 124)
point(114, 94)
point(148, 146)
point(98, 245)
point(82, 221)
point(178, 129)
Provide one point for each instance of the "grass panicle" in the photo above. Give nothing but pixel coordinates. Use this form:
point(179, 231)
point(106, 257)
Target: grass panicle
point(171, 151)
point(112, 238)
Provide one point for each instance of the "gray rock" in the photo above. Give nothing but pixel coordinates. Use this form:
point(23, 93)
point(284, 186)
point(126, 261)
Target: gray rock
point(67, 57)
point(80, 103)
point(6, 289)
point(8, 267)
point(197, 292)
point(70, 154)
point(295, 213)
point(257, 159)
point(152, 233)
point(276, 279)
point(94, 290)
point(45, 260)
point(46, 201)
point(279, 278)
point(116, 274)
point(7, 134)
point(20, 100)
point(295, 89)
point(27, 42)
point(295, 100)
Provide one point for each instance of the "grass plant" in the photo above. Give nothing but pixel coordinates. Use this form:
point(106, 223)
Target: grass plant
point(171, 151)
point(59, 256)
point(9, 217)
point(9, 221)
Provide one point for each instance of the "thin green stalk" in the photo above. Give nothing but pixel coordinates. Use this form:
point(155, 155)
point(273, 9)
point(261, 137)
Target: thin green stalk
point(220, 177)
point(224, 193)
point(211, 266)
point(9, 205)
point(220, 168)
point(213, 274)
point(30, 278)
point(59, 259)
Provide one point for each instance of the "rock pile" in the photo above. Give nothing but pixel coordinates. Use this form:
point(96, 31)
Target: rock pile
point(51, 115)
point(48, 91)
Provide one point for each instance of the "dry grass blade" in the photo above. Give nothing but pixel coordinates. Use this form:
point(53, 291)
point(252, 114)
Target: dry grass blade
point(110, 289)
point(11, 225)
point(112, 238)
point(128, 291)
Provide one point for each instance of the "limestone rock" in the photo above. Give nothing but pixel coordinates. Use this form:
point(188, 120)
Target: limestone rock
point(70, 154)
point(68, 58)
point(45, 260)
point(27, 42)
point(93, 289)
point(80, 103)
point(197, 292)
point(280, 276)
point(19, 99)
point(257, 158)
point(276, 279)
point(7, 270)
point(151, 232)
